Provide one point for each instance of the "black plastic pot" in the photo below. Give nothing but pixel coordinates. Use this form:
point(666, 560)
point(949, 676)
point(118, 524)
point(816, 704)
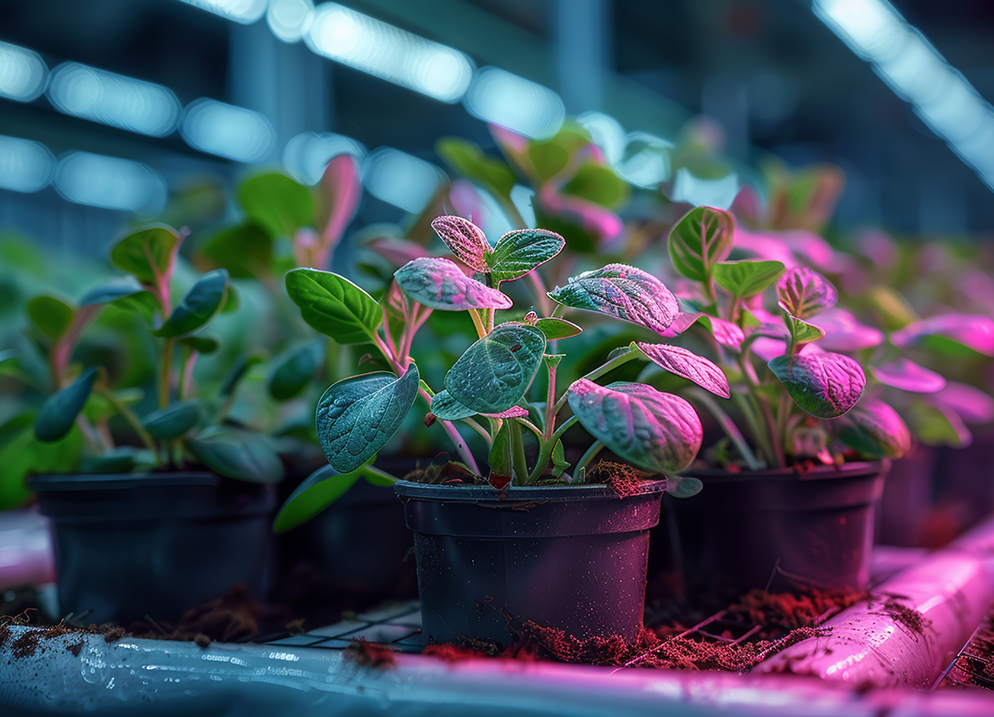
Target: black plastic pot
point(772, 528)
point(157, 544)
point(573, 559)
point(358, 545)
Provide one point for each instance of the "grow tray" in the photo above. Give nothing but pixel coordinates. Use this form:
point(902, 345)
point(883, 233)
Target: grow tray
point(876, 652)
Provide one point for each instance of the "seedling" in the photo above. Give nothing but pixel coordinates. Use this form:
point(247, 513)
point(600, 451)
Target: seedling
point(183, 426)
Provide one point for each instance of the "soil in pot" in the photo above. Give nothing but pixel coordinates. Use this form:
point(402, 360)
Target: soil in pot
point(131, 545)
point(568, 559)
point(773, 529)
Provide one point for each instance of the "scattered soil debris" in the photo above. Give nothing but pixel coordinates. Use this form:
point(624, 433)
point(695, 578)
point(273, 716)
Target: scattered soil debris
point(370, 654)
point(907, 616)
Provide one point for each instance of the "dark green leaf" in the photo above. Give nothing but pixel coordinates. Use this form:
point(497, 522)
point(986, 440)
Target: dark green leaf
point(238, 370)
point(826, 385)
point(51, 315)
point(559, 462)
point(21, 455)
point(446, 408)
point(501, 458)
point(246, 251)
point(683, 486)
point(656, 431)
point(357, 416)
point(554, 328)
point(201, 344)
point(293, 369)
point(440, 284)
point(132, 254)
point(238, 454)
point(58, 413)
point(494, 373)
point(113, 290)
point(142, 303)
point(322, 488)
point(334, 305)
point(519, 252)
point(172, 421)
point(747, 278)
point(200, 305)
point(701, 239)
point(621, 291)
point(277, 203)
point(122, 459)
point(875, 430)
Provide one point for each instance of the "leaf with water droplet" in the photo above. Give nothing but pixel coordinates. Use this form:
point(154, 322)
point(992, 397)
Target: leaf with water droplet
point(805, 293)
point(357, 416)
point(826, 385)
point(652, 430)
point(465, 240)
point(621, 291)
point(440, 284)
point(680, 361)
point(495, 372)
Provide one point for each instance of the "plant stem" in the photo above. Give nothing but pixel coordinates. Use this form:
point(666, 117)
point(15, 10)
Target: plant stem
point(479, 429)
point(550, 401)
point(546, 448)
point(130, 417)
point(600, 371)
point(727, 425)
point(167, 360)
point(518, 461)
point(186, 376)
point(461, 446)
point(585, 459)
point(478, 323)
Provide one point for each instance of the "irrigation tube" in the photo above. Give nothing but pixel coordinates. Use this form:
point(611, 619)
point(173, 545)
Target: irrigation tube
point(912, 629)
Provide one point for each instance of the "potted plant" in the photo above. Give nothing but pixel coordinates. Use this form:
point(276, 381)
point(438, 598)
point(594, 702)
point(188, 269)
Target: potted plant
point(795, 495)
point(155, 529)
point(528, 536)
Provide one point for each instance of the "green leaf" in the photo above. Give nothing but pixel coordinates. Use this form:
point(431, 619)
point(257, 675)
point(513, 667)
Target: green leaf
point(277, 203)
point(559, 462)
point(656, 431)
point(318, 491)
point(747, 278)
point(139, 252)
point(621, 291)
point(446, 408)
point(599, 184)
point(293, 369)
point(440, 284)
point(238, 454)
point(246, 251)
point(519, 252)
point(21, 455)
point(200, 305)
point(875, 430)
point(172, 421)
point(334, 305)
point(357, 416)
point(113, 290)
point(826, 385)
point(494, 373)
point(938, 426)
point(805, 293)
point(469, 161)
point(501, 458)
point(683, 486)
point(122, 459)
point(465, 240)
point(678, 360)
point(58, 413)
point(51, 315)
point(232, 302)
point(700, 240)
point(801, 332)
point(201, 344)
point(237, 372)
point(554, 328)
point(142, 303)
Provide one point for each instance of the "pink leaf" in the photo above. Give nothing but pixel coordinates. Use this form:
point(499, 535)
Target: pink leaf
point(680, 361)
point(512, 412)
point(908, 376)
point(972, 404)
point(342, 186)
point(973, 330)
point(465, 240)
point(844, 332)
point(397, 251)
point(805, 293)
point(441, 284)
